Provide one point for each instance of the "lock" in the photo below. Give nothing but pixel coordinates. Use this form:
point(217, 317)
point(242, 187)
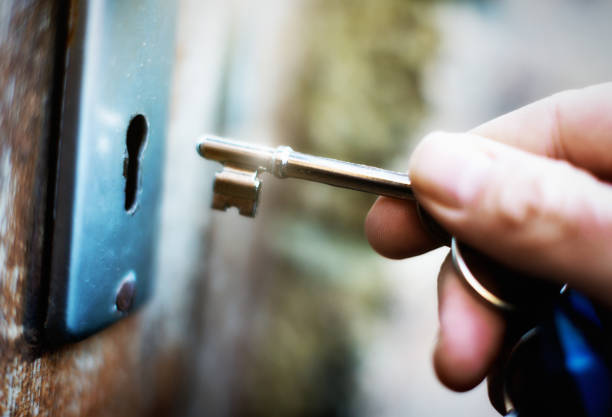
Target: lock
point(109, 170)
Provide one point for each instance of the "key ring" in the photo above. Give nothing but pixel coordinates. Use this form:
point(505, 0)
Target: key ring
point(506, 290)
point(466, 273)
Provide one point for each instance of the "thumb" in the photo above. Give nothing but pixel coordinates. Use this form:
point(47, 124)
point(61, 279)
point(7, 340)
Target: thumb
point(533, 213)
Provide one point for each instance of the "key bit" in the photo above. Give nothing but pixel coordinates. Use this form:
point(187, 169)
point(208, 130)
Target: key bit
point(238, 184)
point(236, 187)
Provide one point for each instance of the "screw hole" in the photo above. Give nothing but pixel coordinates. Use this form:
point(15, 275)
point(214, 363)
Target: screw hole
point(135, 140)
point(124, 298)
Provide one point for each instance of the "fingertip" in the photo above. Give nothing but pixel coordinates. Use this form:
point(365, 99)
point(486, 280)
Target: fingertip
point(456, 372)
point(393, 229)
point(379, 226)
point(471, 334)
point(450, 169)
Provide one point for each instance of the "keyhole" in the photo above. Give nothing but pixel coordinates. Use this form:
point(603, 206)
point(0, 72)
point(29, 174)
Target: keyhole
point(136, 138)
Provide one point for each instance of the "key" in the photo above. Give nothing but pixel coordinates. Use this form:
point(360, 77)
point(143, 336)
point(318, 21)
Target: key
point(238, 184)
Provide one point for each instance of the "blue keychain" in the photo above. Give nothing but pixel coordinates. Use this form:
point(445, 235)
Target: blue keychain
point(560, 357)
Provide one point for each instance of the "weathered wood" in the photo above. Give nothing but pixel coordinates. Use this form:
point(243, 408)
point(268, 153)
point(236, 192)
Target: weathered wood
point(27, 35)
point(129, 369)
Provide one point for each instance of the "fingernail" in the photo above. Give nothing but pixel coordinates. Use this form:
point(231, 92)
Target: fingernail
point(449, 168)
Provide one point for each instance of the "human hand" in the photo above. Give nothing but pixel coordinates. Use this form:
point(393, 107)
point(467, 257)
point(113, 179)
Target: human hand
point(531, 188)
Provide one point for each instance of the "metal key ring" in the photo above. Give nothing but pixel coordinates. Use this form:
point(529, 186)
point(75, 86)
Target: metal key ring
point(501, 286)
point(515, 292)
point(442, 236)
point(464, 271)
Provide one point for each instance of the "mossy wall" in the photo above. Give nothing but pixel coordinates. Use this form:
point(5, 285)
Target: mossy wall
point(357, 96)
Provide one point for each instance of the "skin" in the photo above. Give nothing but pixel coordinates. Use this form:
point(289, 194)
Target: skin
point(539, 178)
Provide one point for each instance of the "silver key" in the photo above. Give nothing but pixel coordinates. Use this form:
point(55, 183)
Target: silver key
point(238, 184)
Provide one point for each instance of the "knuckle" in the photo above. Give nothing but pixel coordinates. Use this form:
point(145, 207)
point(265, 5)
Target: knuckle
point(593, 218)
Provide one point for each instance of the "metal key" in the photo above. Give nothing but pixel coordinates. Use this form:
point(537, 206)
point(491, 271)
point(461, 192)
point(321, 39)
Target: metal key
point(238, 184)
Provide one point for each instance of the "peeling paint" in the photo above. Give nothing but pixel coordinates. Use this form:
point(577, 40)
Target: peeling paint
point(9, 277)
point(88, 361)
point(6, 190)
point(10, 332)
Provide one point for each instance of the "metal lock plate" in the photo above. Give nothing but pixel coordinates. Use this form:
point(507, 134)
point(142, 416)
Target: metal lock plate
point(108, 184)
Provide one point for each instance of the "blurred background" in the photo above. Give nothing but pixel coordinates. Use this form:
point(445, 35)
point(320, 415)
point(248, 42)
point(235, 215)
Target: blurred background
point(296, 315)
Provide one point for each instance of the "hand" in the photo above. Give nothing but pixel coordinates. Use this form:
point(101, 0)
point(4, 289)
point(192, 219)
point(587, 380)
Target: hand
point(530, 189)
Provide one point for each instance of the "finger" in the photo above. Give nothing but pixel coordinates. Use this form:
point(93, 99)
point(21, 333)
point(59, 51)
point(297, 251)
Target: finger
point(471, 333)
point(394, 229)
point(530, 212)
point(574, 125)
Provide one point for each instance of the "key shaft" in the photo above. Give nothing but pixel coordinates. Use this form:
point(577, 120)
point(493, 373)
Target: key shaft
point(283, 162)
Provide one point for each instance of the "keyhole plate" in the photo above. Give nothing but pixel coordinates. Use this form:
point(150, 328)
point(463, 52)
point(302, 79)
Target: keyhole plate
point(118, 68)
